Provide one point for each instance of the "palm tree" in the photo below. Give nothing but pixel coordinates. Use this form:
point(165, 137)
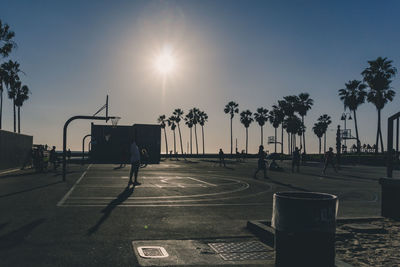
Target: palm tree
point(246, 119)
point(280, 114)
point(178, 114)
point(162, 121)
point(319, 132)
point(172, 124)
point(189, 123)
point(293, 125)
point(203, 117)
point(325, 120)
point(6, 46)
point(195, 121)
point(261, 116)
point(303, 105)
point(275, 118)
point(21, 97)
point(353, 96)
point(231, 108)
point(11, 71)
point(378, 77)
point(288, 105)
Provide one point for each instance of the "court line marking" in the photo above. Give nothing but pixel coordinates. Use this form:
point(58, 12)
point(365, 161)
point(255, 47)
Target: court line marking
point(62, 201)
point(198, 180)
point(170, 205)
point(8, 171)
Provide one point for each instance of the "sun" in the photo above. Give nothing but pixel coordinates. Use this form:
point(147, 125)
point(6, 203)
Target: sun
point(165, 62)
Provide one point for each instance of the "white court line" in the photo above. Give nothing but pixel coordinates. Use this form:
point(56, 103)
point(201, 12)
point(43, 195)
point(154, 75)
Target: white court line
point(194, 179)
point(8, 171)
point(62, 201)
point(170, 205)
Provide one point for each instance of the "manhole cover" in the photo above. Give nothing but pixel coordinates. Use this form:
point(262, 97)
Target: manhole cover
point(152, 252)
point(239, 251)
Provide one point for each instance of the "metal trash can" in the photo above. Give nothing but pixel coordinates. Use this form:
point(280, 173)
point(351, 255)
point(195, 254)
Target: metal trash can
point(305, 227)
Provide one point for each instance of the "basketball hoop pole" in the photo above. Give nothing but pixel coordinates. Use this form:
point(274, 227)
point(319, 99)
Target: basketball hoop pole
point(65, 136)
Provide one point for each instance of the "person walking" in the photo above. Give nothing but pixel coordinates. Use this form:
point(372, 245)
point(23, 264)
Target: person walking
point(69, 154)
point(262, 163)
point(296, 159)
point(53, 157)
point(135, 163)
point(329, 159)
point(221, 157)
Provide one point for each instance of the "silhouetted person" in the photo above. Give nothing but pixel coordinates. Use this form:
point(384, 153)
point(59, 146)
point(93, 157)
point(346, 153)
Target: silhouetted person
point(296, 159)
point(53, 157)
point(261, 162)
point(329, 159)
point(69, 154)
point(135, 163)
point(144, 155)
point(221, 157)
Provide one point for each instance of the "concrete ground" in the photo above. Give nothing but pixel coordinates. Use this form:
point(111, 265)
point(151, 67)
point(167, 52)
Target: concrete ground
point(93, 217)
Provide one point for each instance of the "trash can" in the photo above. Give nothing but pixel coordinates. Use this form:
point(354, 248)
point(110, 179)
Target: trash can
point(305, 227)
point(390, 198)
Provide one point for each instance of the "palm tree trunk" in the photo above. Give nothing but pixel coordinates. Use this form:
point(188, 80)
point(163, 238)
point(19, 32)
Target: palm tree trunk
point(288, 143)
point(246, 139)
point(166, 143)
point(275, 139)
point(195, 136)
point(355, 124)
point(174, 143)
point(202, 134)
point(319, 138)
point(324, 142)
point(261, 135)
point(282, 139)
point(231, 138)
point(15, 117)
point(191, 150)
point(19, 120)
point(304, 137)
point(180, 137)
point(378, 131)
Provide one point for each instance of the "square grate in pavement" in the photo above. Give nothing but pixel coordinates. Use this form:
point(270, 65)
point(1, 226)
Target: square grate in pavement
point(238, 251)
point(152, 252)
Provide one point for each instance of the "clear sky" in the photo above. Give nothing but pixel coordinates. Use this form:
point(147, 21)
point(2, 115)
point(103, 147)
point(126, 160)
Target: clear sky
point(252, 52)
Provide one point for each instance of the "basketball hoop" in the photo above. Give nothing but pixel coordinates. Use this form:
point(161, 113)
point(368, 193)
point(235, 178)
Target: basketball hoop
point(271, 139)
point(114, 121)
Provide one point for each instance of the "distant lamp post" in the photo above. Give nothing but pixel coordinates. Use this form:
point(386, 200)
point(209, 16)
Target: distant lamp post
point(345, 116)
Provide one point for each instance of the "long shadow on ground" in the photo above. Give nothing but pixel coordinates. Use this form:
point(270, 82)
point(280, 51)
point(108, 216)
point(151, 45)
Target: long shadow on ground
point(30, 189)
point(124, 195)
point(18, 236)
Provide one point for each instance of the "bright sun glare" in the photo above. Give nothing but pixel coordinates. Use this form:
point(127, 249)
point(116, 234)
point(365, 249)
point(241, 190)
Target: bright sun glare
point(165, 62)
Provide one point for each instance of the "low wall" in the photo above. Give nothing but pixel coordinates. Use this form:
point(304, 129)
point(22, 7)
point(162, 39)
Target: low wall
point(14, 149)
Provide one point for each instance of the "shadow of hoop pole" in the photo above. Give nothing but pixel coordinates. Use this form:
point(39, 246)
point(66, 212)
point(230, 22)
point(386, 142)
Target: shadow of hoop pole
point(65, 136)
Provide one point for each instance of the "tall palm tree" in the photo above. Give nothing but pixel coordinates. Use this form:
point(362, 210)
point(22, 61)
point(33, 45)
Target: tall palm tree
point(319, 132)
point(178, 114)
point(325, 120)
point(261, 116)
point(293, 125)
point(246, 119)
point(275, 118)
point(162, 121)
point(353, 96)
point(288, 105)
point(195, 121)
point(11, 74)
point(231, 108)
point(303, 105)
point(378, 77)
point(280, 114)
point(6, 46)
point(21, 97)
point(189, 123)
point(203, 118)
point(172, 124)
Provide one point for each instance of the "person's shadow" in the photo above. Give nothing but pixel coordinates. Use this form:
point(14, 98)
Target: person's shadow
point(124, 195)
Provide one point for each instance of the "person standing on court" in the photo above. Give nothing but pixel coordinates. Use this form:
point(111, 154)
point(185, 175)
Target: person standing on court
point(221, 157)
point(53, 158)
point(261, 162)
point(329, 159)
point(296, 159)
point(135, 163)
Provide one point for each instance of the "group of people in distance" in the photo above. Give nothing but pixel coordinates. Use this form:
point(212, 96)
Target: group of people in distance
point(329, 159)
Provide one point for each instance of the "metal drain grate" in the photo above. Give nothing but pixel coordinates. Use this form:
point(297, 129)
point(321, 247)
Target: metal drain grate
point(152, 252)
point(239, 251)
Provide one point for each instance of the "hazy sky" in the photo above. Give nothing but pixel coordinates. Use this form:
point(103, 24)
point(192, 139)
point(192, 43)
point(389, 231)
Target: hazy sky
point(252, 52)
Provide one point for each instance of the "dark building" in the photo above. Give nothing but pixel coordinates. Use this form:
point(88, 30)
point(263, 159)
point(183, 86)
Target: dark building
point(112, 144)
